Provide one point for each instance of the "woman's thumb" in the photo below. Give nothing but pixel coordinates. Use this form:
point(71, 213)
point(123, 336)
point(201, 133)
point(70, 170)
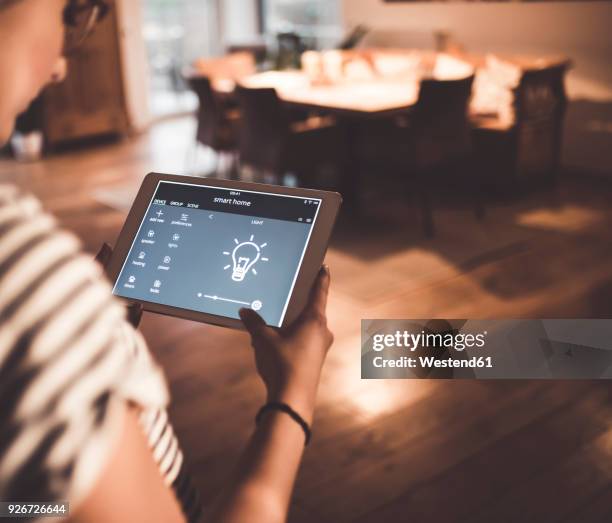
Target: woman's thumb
point(253, 322)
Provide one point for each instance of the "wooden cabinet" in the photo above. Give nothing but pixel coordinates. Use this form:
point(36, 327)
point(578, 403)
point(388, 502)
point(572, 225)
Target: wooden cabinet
point(92, 100)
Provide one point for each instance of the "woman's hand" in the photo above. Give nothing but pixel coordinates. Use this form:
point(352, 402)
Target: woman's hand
point(134, 310)
point(290, 360)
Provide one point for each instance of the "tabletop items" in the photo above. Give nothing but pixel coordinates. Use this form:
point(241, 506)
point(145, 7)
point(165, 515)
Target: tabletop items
point(379, 80)
point(510, 122)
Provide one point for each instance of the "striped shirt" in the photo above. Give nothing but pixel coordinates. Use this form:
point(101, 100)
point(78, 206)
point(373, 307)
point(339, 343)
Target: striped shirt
point(68, 359)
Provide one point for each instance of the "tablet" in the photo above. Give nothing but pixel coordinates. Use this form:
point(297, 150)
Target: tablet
point(202, 249)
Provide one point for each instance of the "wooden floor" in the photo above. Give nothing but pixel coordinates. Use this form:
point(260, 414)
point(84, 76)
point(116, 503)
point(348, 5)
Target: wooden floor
point(426, 451)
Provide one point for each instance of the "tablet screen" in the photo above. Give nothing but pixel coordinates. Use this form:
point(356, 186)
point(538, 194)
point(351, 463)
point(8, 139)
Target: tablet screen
point(216, 250)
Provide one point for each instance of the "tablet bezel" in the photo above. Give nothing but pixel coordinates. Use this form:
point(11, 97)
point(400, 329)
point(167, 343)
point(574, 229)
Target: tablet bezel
point(311, 262)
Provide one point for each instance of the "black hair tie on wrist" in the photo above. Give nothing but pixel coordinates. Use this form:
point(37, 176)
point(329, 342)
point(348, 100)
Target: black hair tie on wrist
point(283, 407)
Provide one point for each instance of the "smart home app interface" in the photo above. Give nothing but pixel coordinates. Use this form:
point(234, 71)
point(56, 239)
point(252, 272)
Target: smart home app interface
point(217, 250)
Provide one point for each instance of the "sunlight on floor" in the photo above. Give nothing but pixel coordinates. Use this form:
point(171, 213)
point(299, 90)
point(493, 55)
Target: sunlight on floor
point(570, 218)
point(372, 399)
point(379, 397)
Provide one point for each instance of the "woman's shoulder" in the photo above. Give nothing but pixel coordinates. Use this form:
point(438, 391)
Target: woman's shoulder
point(13, 196)
point(67, 355)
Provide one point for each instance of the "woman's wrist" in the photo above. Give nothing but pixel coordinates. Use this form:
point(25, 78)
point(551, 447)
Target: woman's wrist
point(299, 399)
point(286, 410)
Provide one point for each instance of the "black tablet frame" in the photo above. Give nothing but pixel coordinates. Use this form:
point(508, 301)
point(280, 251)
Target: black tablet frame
point(311, 263)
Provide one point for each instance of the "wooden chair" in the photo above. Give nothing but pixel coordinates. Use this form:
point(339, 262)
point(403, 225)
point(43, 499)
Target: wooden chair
point(271, 142)
point(217, 126)
point(431, 146)
point(441, 145)
point(526, 152)
point(439, 126)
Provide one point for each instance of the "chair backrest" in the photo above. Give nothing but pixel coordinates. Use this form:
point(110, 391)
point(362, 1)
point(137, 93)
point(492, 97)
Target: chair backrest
point(264, 130)
point(441, 123)
point(541, 93)
point(210, 112)
point(540, 102)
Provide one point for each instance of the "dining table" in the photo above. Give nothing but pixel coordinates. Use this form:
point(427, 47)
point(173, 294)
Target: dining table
point(365, 99)
point(378, 87)
point(378, 93)
point(352, 104)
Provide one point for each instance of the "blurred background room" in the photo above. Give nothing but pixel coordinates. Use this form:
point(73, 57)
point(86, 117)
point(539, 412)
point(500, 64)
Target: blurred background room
point(472, 144)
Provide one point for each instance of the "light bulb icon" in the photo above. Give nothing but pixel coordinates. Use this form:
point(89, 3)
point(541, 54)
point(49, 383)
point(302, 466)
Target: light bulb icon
point(244, 256)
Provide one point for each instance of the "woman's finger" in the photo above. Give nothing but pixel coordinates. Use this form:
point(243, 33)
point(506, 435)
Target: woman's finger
point(317, 302)
point(134, 313)
point(104, 254)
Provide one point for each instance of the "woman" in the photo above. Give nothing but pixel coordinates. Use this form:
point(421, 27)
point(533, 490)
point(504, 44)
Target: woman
point(82, 404)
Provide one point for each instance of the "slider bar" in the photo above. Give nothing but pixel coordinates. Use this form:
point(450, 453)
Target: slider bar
point(226, 299)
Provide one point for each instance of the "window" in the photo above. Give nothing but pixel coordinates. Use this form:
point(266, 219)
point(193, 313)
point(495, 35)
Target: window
point(317, 22)
point(177, 32)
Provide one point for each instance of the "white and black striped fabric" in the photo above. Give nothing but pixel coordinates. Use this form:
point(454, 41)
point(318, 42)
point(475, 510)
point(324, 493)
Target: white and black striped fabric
point(68, 358)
